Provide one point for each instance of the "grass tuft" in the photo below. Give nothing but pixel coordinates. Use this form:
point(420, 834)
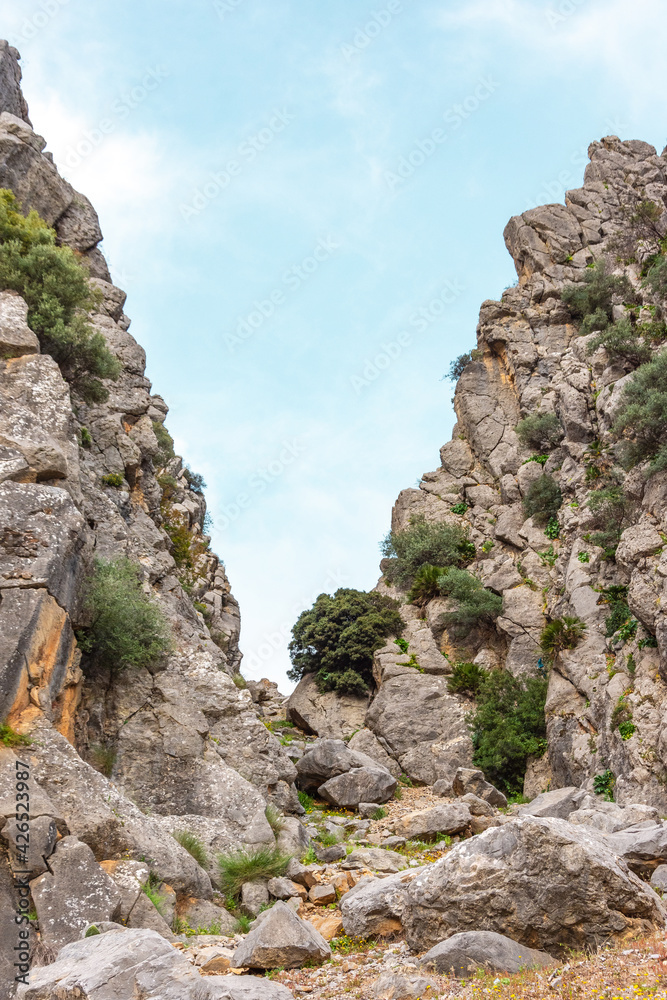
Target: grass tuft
point(238, 867)
point(193, 845)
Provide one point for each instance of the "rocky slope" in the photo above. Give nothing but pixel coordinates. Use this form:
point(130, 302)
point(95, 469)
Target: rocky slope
point(529, 358)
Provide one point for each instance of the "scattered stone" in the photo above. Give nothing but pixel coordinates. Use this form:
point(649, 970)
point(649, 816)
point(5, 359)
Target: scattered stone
point(376, 859)
point(449, 817)
point(398, 986)
point(322, 895)
point(285, 888)
point(368, 809)
point(214, 959)
point(659, 879)
point(361, 784)
point(444, 788)
point(468, 779)
point(247, 988)
point(281, 940)
point(254, 895)
point(329, 855)
point(557, 804)
point(462, 954)
point(329, 925)
point(144, 915)
point(302, 874)
point(202, 914)
point(477, 806)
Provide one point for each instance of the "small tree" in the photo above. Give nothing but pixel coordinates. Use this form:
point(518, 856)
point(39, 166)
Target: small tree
point(466, 678)
point(508, 727)
point(541, 430)
point(457, 367)
point(543, 499)
point(611, 509)
point(58, 293)
point(591, 300)
point(125, 627)
point(643, 416)
point(621, 341)
point(336, 639)
point(423, 544)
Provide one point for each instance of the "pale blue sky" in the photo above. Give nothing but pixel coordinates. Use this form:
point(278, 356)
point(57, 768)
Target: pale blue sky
point(292, 189)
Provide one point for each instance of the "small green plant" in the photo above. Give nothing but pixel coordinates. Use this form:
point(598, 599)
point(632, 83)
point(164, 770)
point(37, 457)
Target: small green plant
point(560, 634)
point(402, 644)
point(542, 430)
point(459, 508)
point(103, 757)
point(458, 366)
point(539, 459)
point(648, 642)
point(193, 845)
point(620, 616)
point(10, 738)
point(414, 663)
point(612, 513)
point(466, 678)
point(631, 665)
point(152, 889)
point(306, 801)
point(584, 557)
point(59, 295)
point(603, 784)
point(405, 780)
point(552, 530)
point(237, 867)
point(243, 921)
point(425, 585)
point(335, 639)
point(621, 712)
point(421, 544)
point(165, 443)
point(549, 556)
point(115, 479)
point(86, 438)
point(125, 627)
point(379, 813)
point(487, 545)
point(398, 794)
point(346, 945)
point(627, 729)
point(275, 819)
point(310, 857)
point(477, 607)
point(327, 839)
point(628, 630)
point(240, 681)
point(543, 499)
point(195, 480)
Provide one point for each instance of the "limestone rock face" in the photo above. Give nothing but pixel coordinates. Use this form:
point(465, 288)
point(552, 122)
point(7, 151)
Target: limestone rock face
point(325, 714)
point(544, 883)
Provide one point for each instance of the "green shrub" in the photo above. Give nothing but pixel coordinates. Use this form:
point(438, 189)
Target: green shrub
point(542, 430)
point(643, 416)
point(306, 801)
point(552, 529)
point(560, 634)
point(86, 438)
point(193, 845)
point(619, 613)
point(195, 480)
point(477, 606)
point(379, 813)
point(425, 585)
point(402, 644)
point(423, 543)
point(603, 784)
point(243, 922)
point(466, 678)
point(336, 639)
point(508, 727)
point(627, 729)
point(152, 889)
point(656, 276)
point(612, 510)
point(10, 738)
point(166, 445)
point(591, 300)
point(239, 681)
point(58, 293)
point(103, 757)
point(584, 557)
point(459, 508)
point(543, 499)
point(114, 479)
point(457, 367)
point(622, 342)
point(237, 867)
point(125, 627)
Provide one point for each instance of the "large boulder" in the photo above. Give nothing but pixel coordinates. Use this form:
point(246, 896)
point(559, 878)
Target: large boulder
point(609, 817)
point(74, 893)
point(281, 940)
point(360, 784)
point(366, 742)
point(468, 780)
point(449, 817)
point(542, 882)
point(643, 847)
point(122, 963)
point(375, 905)
point(327, 759)
point(325, 713)
point(557, 804)
point(377, 859)
point(462, 954)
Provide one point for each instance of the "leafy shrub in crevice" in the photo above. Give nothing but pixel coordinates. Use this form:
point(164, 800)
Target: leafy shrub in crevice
point(560, 634)
point(591, 300)
point(543, 500)
point(543, 431)
point(643, 415)
point(616, 598)
point(335, 639)
point(603, 784)
point(425, 585)
point(508, 727)
point(166, 445)
point(476, 606)
point(59, 295)
point(124, 627)
point(612, 510)
point(421, 544)
point(466, 678)
point(622, 342)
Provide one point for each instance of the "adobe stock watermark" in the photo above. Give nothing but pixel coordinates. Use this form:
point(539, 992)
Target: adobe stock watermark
point(455, 117)
point(259, 482)
point(247, 152)
point(33, 24)
point(255, 661)
point(224, 7)
point(419, 320)
point(560, 12)
point(121, 108)
point(367, 33)
point(292, 280)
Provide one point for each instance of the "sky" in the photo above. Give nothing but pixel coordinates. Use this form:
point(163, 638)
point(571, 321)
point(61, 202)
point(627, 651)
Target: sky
point(305, 202)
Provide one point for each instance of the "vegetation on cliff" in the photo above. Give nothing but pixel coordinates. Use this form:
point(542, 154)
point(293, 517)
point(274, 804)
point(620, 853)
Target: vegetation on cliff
point(59, 295)
point(421, 544)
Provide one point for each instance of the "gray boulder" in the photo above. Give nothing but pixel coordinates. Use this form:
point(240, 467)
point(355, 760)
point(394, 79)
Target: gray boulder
point(360, 784)
point(325, 713)
point(542, 882)
point(659, 879)
point(377, 859)
point(462, 954)
point(468, 779)
point(328, 759)
point(122, 963)
point(375, 905)
point(43, 835)
point(16, 337)
point(643, 847)
point(281, 940)
point(449, 817)
point(398, 986)
point(146, 916)
point(557, 804)
point(609, 817)
point(365, 741)
point(76, 892)
point(254, 895)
